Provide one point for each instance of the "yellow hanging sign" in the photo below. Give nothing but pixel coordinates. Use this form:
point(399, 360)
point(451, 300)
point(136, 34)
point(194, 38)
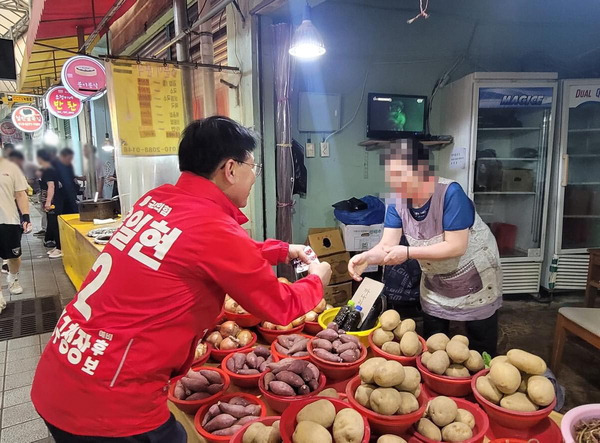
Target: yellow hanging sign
point(146, 107)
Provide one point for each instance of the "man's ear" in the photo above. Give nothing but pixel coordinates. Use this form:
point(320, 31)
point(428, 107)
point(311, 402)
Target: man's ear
point(229, 171)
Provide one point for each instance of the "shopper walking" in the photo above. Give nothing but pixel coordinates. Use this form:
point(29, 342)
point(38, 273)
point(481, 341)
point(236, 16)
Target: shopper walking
point(157, 288)
point(13, 199)
point(461, 277)
point(66, 174)
point(52, 200)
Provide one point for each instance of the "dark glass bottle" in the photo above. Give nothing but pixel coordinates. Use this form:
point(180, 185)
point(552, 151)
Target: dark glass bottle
point(353, 320)
point(341, 316)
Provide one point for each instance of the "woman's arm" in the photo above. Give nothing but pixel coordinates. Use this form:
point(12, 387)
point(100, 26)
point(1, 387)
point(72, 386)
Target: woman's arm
point(376, 255)
point(454, 245)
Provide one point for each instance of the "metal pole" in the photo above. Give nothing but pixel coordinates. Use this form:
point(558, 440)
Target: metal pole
point(183, 55)
point(207, 52)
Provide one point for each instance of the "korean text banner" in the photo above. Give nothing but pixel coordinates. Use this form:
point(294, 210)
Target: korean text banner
point(515, 97)
point(146, 107)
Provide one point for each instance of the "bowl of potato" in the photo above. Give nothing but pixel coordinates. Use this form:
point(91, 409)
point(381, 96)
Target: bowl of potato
point(291, 346)
point(514, 392)
point(244, 367)
point(448, 365)
point(199, 386)
point(388, 394)
point(323, 420)
point(397, 339)
point(233, 311)
point(452, 420)
point(219, 421)
point(311, 323)
point(270, 331)
point(263, 430)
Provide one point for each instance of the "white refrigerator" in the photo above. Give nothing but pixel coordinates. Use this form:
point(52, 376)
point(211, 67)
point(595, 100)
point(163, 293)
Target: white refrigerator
point(503, 127)
point(574, 222)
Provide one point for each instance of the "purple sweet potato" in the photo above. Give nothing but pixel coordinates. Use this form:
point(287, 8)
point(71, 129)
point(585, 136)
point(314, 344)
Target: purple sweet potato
point(313, 384)
point(213, 389)
point(239, 401)
point(285, 341)
point(239, 360)
point(252, 410)
point(251, 360)
point(237, 411)
point(242, 421)
point(328, 334)
point(231, 364)
point(212, 412)
point(345, 338)
point(300, 354)
point(179, 391)
point(346, 346)
point(333, 325)
point(245, 366)
point(248, 372)
point(283, 365)
point(298, 346)
point(262, 351)
point(350, 355)
point(322, 344)
point(259, 361)
point(198, 396)
point(298, 366)
point(281, 349)
point(221, 421)
point(228, 431)
point(327, 356)
point(310, 373)
point(195, 384)
point(263, 367)
point(281, 388)
point(269, 377)
point(290, 378)
point(211, 376)
point(336, 344)
point(303, 390)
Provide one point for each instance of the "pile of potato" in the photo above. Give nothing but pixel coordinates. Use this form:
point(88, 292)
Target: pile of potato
point(198, 385)
point(397, 337)
point(201, 350)
point(226, 418)
point(250, 363)
point(272, 326)
point(229, 335)
point(259, 433)
point(516, 382)
point(315, 419)
point(445, 421)
point(291, 377)
point(313, 315)
point(387, 387)
point(293, 345)
point(451, 357)
point(334, 345)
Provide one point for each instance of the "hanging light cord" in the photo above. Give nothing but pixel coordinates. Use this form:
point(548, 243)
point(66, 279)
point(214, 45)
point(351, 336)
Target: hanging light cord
point(423, 12)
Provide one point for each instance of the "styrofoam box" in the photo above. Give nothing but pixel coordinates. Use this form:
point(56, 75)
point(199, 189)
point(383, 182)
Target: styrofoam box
point(359, 238)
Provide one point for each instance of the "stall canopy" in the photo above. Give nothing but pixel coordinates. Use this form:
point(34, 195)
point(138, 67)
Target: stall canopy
point(52, 36)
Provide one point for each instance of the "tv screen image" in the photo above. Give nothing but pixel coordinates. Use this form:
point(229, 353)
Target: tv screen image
point(7, 60)
point(396, 116)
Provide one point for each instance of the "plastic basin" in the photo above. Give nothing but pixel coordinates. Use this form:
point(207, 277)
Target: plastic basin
point(190, 407)
point(572, 417)
point(505, 417)
point(482, 422)
point(243, 320)
point(267, 421)
point(281, 356)
point(444, 385)
point(204, 409)
point(385, 424)
point(200, 361)
point(312, 327)
point(243, 381)
point(271, 334)
point(327, 317)
point(406, 361)
point(219, 355)
point(279, 403)
point(288, 418)
point(336, 371)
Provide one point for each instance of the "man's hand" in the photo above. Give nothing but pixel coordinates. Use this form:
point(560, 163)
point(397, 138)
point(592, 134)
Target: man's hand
point(396, 255)
point(357, 265)
point(321, 270)
point(297, 251)
point(26, 224)
point(47, 206)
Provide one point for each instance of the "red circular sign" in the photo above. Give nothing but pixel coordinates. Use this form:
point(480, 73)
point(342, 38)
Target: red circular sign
point(84, 77)
point(62, 104)
point(27, 119)
point(8, 129)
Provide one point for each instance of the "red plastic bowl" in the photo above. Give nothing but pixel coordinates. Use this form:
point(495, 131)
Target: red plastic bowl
point(506, 417)
point(204, 409)
point(444, 385)
point(406, 361)
point(243, 381)
point(278, 402)
point(288, 418)
point(312, 327)
point(190, 407)
point(205, 357)
point(271, 334)
point(337, 371)
point(282, 356)
point(267, 421)
point(243, 320)
point(385, 424)
point(482, 422)
point(219, 355)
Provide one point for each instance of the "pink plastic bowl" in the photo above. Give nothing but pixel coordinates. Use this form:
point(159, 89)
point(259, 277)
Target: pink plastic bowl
point(572, 417)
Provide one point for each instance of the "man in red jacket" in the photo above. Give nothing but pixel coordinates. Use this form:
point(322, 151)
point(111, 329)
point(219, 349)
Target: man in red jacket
point(157, 287)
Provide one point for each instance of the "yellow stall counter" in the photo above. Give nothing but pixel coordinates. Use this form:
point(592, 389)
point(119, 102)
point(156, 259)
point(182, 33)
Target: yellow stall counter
point(79, 250)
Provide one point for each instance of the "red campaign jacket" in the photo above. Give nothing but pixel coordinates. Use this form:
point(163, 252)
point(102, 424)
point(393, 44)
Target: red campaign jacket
point(158, 285)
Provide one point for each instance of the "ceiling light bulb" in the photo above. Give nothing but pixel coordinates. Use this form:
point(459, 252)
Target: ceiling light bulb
point(107, 146)
point(307, 43)
point(51, 137)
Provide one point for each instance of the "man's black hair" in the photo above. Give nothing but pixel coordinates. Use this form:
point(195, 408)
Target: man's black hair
point(16, 154)
point(207, 143)
point(44, 155)
point(416, 154)
point(65, 152)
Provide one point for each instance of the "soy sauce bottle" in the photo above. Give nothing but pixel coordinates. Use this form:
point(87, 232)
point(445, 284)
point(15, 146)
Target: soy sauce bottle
point(353, 320)
point(342, 315)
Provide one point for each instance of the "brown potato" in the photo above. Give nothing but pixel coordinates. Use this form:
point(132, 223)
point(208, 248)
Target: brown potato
point(385, 401)
point(456, 432)
point(457, 351)
point(380, 337)
point(428, 429)
point(442, 410)
point(461, 338)
point(498, 359)
point(389, 438)
point(523, 385)
point(526, 362)
point(348, 427)
point(518, 402)
point(408, 403)
point(464, 416)
point(437, 342)
point(389, 320)
point(409, 344)
point(438, 362)
point(417, 392)
point(367, 369)
point(455, 370)
point(488, 390)
point(425, 356)
point(405, 326)
point(392, 347)
point(388, 374)
point(363, 395)
point(505, 377)
point(253, 431)
point(540, 390)
point(309, 432)
point(320, 411)
point(475, 362)
point(412, 379)
point(329, 392)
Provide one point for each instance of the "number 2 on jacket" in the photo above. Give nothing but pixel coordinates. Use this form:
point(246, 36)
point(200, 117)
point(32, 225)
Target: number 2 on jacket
point(104, 262)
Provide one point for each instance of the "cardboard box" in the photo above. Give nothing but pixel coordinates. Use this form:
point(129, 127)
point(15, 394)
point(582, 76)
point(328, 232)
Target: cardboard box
point(338, 295)
point(339, 267)
point(517, 180)
point(361, 238)
point(326, 243)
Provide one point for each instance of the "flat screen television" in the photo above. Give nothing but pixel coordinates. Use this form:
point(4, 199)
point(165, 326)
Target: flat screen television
point(7, 60)
point(395, 116)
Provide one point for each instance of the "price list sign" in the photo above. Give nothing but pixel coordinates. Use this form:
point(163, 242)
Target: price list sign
point(147, 107)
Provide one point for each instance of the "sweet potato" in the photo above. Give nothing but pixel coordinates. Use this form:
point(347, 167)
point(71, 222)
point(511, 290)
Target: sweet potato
point(311, 372)
point(262, 351)
point(227, 431)
point(269, 377)
point(290, 378)
point(239, 360)
point(298, 346)
point(195, 384)
point(237, 411)
point(347, 346)
point(211, 376)
point(283, 365)
point(285, 340)
point(327, 356)
point(213, 389)
point(252, 409)
point(247, 419)
point(313, 384)
point(230, 365)
point(239, 401)
point(251, 360)
point(281, 388)
point(281, 349)
point(221, 421)
point(298, 366)
point(322, 344)
point(328, 334)
point(303, 390)
point(179, 391)
point(333, 325)
point(336, 344)
point(350, 355)
point(248, 372)
point(198, 396)
point(346, 338)
point(300, 354)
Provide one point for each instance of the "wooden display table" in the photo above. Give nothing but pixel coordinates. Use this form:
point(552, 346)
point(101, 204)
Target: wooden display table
point(79, 250)
point(593, 279)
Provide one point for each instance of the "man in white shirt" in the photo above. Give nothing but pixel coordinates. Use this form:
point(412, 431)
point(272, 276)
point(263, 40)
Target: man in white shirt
point(13, 195)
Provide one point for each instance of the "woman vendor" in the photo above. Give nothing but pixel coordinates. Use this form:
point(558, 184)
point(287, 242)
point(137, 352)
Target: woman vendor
point(461, 279)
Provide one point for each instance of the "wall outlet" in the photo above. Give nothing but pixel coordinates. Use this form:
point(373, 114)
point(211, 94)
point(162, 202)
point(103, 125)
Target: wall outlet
point(325, 149)
point(310, 150)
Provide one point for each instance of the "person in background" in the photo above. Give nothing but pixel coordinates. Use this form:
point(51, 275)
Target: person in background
point(7, 149)
point(28, 168)
point(66, 174)
point(13, 199)
point(461, 277)
point(90, 153)
point(40, 205)
point(146, 304)
point(51, 200)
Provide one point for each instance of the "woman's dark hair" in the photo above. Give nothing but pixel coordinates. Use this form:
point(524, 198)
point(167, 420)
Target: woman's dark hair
point(44, 155)
point(415, 154)
point(206, 143)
